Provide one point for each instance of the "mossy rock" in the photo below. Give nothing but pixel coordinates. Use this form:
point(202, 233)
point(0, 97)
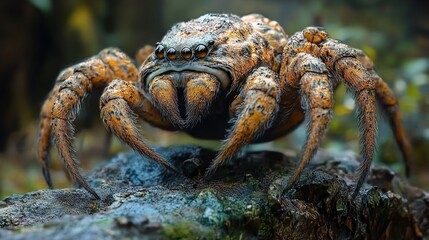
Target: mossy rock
point(141, 199)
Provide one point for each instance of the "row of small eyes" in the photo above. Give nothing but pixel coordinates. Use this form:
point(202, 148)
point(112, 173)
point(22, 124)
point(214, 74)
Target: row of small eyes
point(200, 51)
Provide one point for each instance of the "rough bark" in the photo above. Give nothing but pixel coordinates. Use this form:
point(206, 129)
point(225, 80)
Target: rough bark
point(141, 200)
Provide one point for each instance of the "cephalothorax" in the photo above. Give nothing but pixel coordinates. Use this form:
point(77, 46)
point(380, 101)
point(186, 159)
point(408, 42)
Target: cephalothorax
point(222, 77)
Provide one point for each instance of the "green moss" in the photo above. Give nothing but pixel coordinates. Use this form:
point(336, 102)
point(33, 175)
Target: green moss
point(270, 224)
point(186, 230)
point(373, 197)
point(16, 229)
point(94, 207)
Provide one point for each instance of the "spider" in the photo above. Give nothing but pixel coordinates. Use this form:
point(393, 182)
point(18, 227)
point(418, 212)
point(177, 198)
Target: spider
point(222, 77)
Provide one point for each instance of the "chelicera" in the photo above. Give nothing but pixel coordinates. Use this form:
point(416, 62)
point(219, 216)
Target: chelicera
point(220, 76)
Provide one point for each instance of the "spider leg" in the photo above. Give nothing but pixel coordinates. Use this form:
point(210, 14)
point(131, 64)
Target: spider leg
point(143, 53)
point(62, 105)
point(117, 103)
point(311, 76)
point(342, 61)
point(44, 135)
point(390, 107)
point(261, 95)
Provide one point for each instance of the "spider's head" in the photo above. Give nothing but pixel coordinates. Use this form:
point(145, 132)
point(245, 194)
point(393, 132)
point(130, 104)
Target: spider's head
point(194, 63)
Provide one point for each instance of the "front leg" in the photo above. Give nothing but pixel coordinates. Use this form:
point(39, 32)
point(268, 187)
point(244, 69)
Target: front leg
point(118, 104)
point(258, 104)
point(62, 105)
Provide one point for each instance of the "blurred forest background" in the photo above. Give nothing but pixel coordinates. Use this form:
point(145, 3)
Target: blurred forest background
point(41, 37)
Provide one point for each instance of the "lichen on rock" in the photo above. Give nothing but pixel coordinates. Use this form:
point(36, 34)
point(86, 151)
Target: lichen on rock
point(142, 199)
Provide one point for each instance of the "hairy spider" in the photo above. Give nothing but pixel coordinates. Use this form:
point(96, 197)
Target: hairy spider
point(222, 77)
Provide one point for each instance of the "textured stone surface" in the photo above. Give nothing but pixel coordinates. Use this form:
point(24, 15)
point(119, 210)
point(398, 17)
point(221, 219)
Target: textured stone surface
point(142, 200)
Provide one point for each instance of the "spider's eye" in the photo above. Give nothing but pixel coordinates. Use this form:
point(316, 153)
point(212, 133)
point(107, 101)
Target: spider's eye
point(201, 51)
point(159, 51)
point(186, 53)
point(171, 53)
